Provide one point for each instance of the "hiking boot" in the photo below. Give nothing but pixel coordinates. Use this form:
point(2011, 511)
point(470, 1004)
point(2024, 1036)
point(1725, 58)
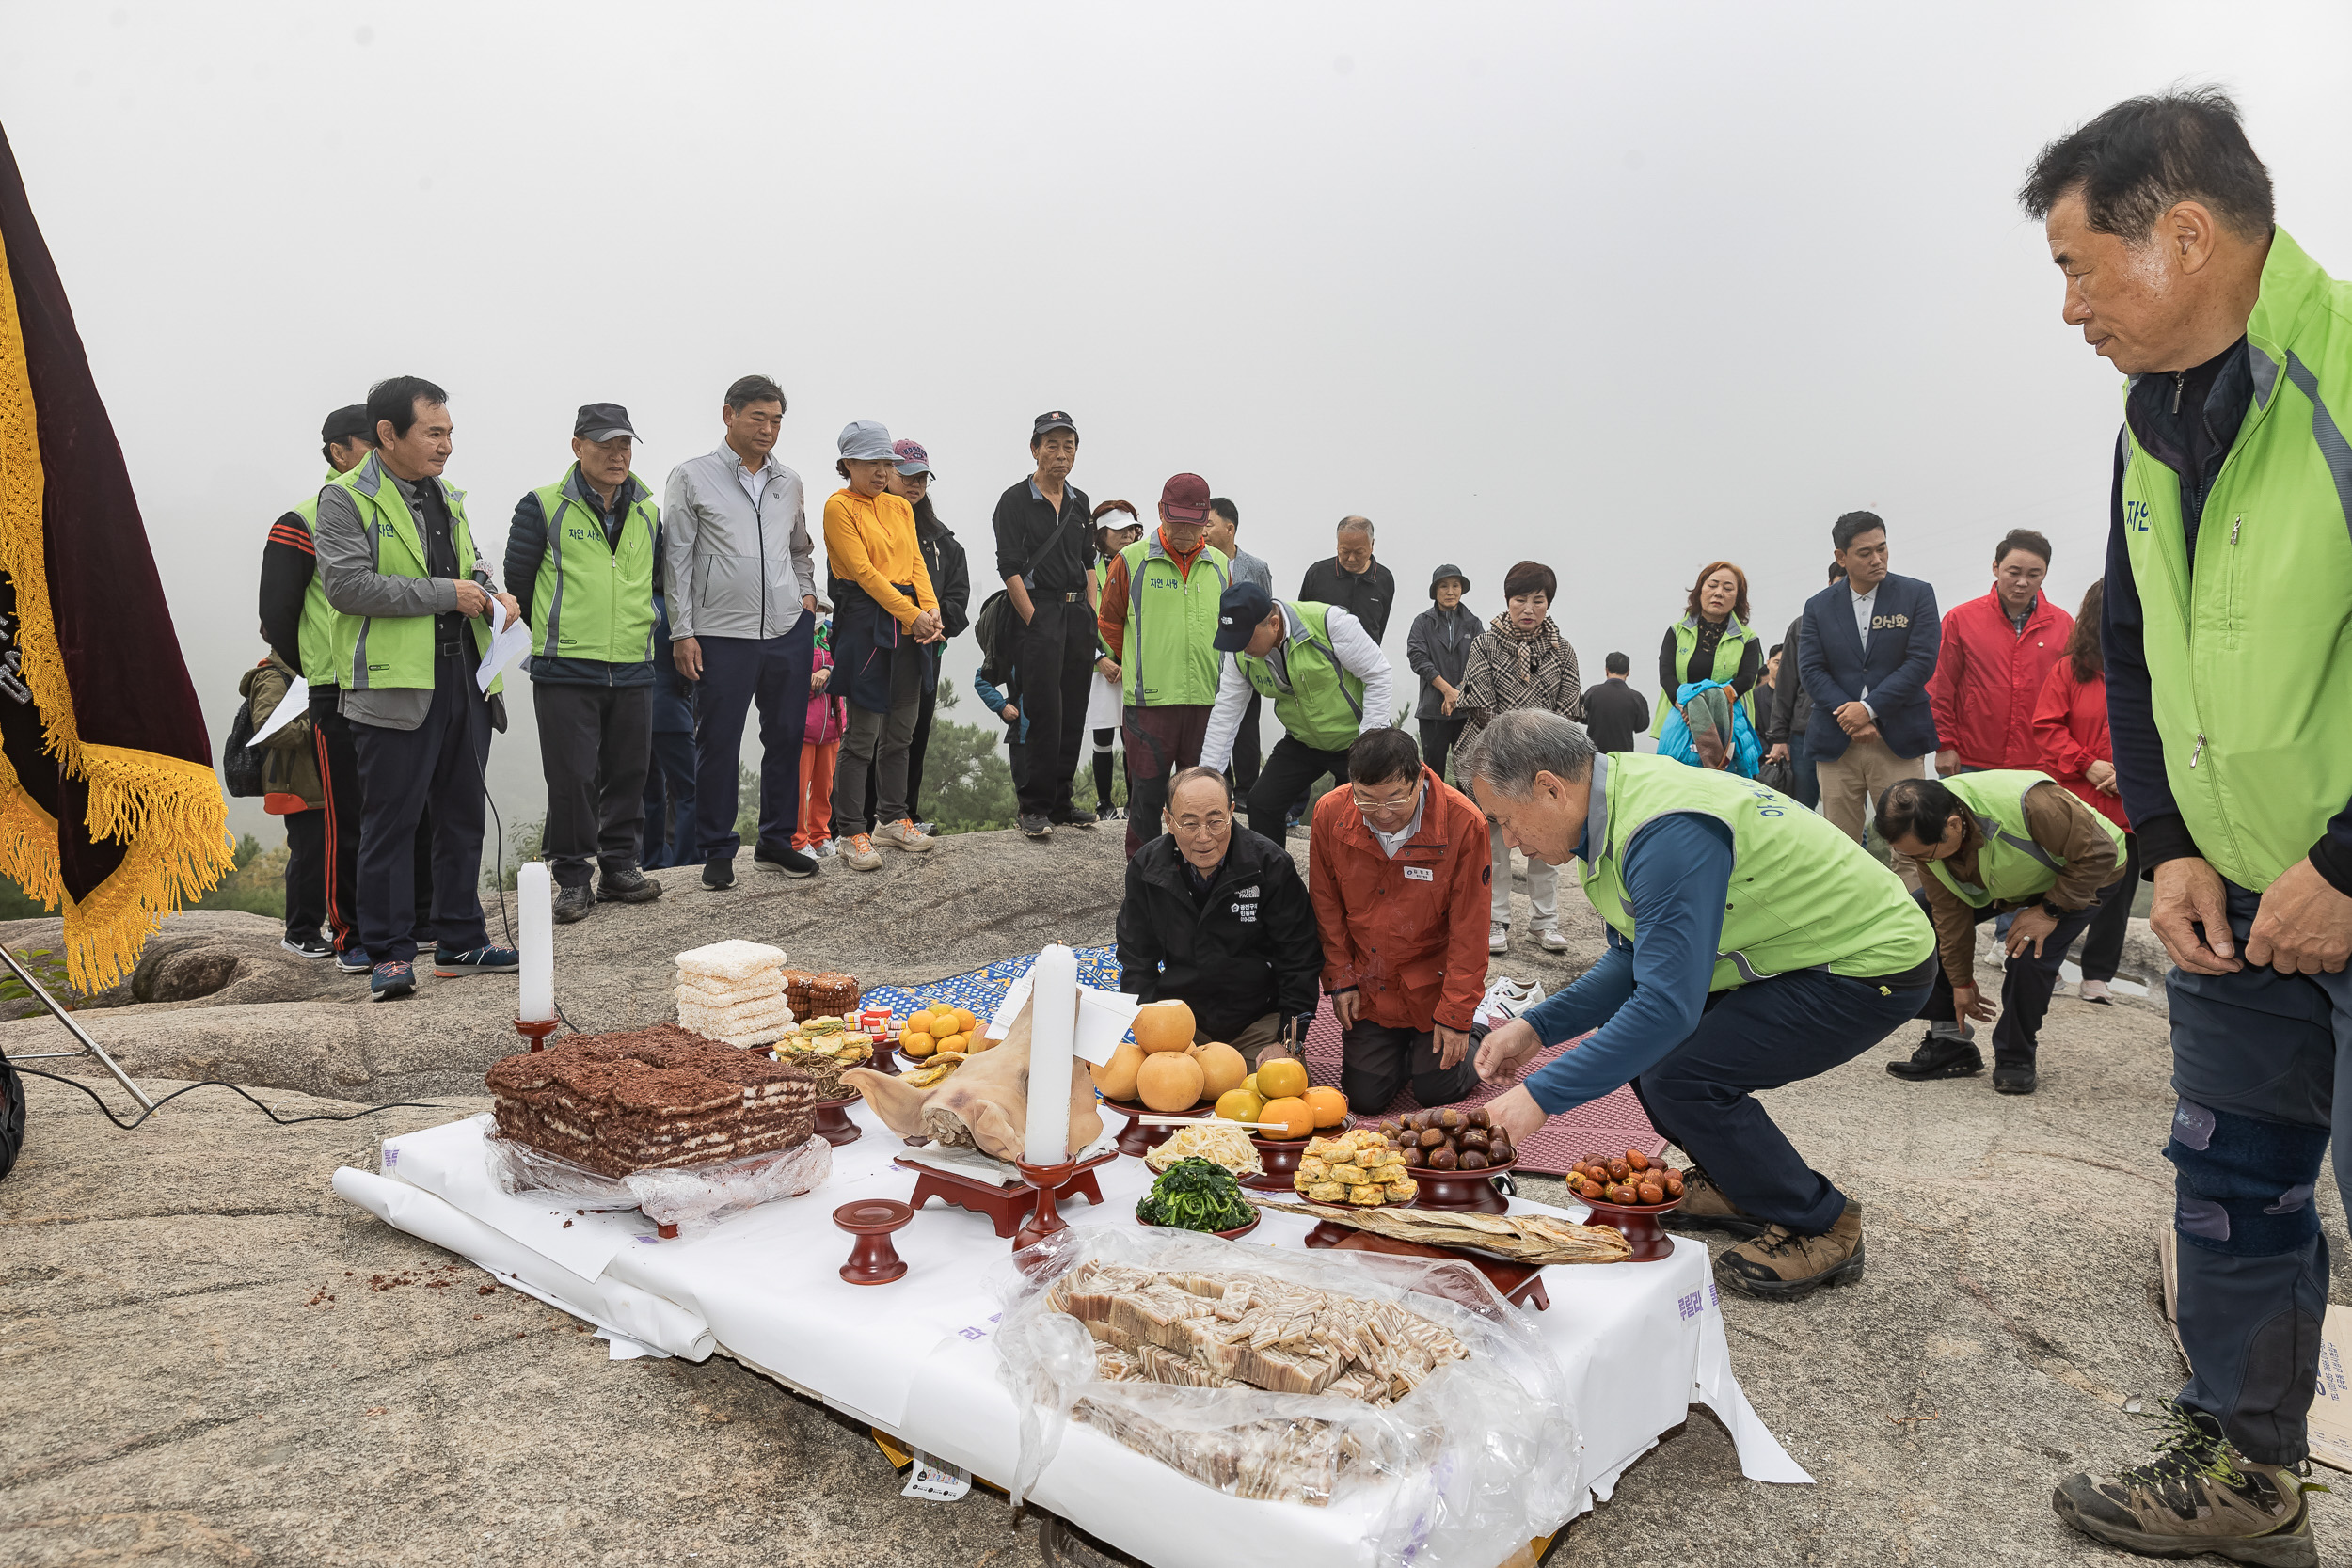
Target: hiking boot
point(2096, 990)
point(1498, 938)
point(1035, 824)
point(448, 963)
point(1704, 1206)
point(859, 850)
point(2198, 1495)
point(904, 834)
point(1077, 817)
point(1940, 1056)
point(1551, 940)
point(2009, 1078)
point(573, 903)
point(629, 885)
point(388, 982)
point(792, 862)
point(309, 946)
point(1784, 1265)
point(718, 873)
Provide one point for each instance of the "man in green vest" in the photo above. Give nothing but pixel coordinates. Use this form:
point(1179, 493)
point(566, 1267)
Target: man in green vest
point(2228, 637)
point(1158, 620)
point(581, 553)
point(413, 603)
point(1709, 991)
point(1327, 678)
point(1993, 843)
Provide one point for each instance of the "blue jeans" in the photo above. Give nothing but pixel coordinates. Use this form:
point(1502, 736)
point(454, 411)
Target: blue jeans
point(1808, 782)
point(1758, 1036)
point(2257, 1060)
point(737, 671)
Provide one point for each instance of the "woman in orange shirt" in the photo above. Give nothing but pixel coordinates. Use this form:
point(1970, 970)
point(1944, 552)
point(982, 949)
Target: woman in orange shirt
point(883, 610)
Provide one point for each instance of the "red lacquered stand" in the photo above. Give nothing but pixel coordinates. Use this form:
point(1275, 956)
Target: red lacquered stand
point(834, 1124)
point(873, 1261)
point(1008, 1208)
point(535, 1030)
point(1043, 1180)
point(1639, 1227)
point(1140, 1140)
point(1517, 1283)
point(1280, 1157)
point(1461, 1189)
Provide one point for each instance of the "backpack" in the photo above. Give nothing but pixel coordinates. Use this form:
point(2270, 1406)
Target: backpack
point(994, 627)
point(240, 763)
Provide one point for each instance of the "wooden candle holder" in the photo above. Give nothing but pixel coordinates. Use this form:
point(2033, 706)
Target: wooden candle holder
point(834, 1124)
point(535, 1030)
point(1043, 1221)
point(1008, 1208)
point(873, 1261)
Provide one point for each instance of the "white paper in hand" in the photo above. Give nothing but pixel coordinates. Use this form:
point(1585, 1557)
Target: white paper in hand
point(293, 705)
point(509, 642)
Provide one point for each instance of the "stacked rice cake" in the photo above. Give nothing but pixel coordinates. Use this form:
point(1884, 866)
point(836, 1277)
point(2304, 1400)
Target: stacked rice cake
point(650, 1099)
point(734, 991)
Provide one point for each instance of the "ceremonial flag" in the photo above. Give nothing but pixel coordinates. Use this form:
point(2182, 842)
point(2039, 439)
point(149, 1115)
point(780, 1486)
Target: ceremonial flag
point(108, 803)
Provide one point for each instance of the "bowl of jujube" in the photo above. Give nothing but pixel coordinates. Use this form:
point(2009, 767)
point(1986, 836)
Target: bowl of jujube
point(1627, 1181)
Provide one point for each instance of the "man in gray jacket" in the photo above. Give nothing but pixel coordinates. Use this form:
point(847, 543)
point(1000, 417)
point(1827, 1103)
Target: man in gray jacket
point(397, 559)
point(741, 576)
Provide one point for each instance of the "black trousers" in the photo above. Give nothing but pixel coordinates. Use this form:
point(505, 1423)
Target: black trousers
point(339, 855)
point(2027, 984)
point(595, 745)
point(1160, 741)
point(737, 672)
point(670, 803)
point(1246, 747)
point(1438, 737)
point(1377, 1060)
point(1055, 662)
point(1288, 771)
point(915, 762)
point(439, 762)
point(2103, 942)
point(305, 872)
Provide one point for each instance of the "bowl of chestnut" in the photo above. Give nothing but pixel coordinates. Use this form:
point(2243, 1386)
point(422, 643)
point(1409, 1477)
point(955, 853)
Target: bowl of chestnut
point(1451, 1153)
point(1627, 1193)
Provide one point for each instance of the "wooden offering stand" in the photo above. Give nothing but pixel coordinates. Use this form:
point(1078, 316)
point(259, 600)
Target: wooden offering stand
point(1280, 1157)
point(834, 1124)
point(1639, 1225)
point(1516, 1283)
point(1008, 1208)
point(535, 1030)
point(1139, 1139)
point(873, 1261)
point(1462, 1189)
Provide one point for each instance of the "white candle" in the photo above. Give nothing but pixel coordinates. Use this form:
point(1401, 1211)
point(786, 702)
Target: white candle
point(536, 896)
point(1053, 1036)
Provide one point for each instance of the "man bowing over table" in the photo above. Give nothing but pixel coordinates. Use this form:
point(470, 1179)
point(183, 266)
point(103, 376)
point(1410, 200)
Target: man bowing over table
point(1751, 944)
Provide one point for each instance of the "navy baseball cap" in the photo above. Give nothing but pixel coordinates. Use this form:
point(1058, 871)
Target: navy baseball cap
point(602, 422)
point(1056, 420)
point(1240, 612)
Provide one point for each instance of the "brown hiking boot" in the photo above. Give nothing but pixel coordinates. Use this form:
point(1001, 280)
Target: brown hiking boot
point(2198, 1495)
point(1704, 1206)
point(1784, 1264)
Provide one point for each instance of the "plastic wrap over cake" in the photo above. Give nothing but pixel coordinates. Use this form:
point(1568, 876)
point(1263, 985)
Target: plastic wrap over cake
point(1300, 1377)
point(691, 1197)
point(650, 1099)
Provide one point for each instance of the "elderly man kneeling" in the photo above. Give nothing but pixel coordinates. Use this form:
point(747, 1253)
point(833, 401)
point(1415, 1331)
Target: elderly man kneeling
point(1217, 918)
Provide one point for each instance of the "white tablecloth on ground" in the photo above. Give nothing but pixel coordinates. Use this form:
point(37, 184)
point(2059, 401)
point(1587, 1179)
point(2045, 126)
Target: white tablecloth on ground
point(1640, 1343)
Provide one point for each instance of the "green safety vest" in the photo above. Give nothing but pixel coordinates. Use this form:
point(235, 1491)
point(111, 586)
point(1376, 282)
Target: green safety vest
point(1730, 649)
point(374, 652)
point(2010, 866)
point(315, 638)
point(592, 600)
point(1322, 703)
point(1803, 895)
point(1172, 623)
point(2249, 656)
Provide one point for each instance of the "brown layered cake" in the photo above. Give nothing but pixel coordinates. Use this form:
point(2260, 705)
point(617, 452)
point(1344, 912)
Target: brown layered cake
point(650, 1099)
point(830, 993)
point(796, 984)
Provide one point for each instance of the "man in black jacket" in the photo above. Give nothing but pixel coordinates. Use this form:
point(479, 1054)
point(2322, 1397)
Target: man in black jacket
point(910, 480)
point(1044, 530)
point(1218, 918)
point(1352, 579)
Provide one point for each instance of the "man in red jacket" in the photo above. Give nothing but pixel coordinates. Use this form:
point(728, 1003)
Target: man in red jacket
point(1398, 869)
point(1997, 651)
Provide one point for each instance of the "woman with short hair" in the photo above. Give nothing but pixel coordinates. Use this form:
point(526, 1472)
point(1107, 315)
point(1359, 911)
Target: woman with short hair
point(1521, 661)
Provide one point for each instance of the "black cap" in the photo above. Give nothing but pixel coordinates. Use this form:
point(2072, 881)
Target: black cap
point(1056, 420)
point(344, 423)
point(1447, 570)
point(602, 422)
point(1240, 612)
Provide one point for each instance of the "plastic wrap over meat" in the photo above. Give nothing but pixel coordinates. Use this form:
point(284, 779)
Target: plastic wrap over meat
point(692, 1197)
point(1300, 1377)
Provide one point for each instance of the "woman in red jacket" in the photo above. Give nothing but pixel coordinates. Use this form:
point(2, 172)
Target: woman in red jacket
point(2070, 730)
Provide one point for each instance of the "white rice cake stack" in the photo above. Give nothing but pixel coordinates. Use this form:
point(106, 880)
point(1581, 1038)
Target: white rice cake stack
point(734, 991)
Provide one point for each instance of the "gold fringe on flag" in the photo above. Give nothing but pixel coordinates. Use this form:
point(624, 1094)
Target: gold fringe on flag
point(168, 814)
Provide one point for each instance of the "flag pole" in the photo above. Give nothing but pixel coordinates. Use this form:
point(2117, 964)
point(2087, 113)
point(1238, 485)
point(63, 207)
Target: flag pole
point(90, 1045)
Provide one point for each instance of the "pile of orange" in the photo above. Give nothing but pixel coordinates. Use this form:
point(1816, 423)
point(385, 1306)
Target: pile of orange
point(941, 1028)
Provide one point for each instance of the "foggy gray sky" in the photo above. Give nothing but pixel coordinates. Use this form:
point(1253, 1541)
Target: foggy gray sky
point(1618, 288)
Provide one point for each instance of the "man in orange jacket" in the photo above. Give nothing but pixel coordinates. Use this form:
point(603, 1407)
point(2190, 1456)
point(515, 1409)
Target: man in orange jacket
point(1996, 652)
point(1398, 868)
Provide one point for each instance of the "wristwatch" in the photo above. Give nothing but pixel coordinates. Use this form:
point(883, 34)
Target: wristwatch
point(2054, 912)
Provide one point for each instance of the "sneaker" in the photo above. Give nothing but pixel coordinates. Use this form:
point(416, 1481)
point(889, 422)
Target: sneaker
point(1704, 1206)
point(1505, 1000)
point(1779, 1264)
point(822, 850)
point(928, 830)
point(1034, 824)
point(388, 982)
point(905, 835)
point(354, 962)
point(2010, 1078)
point(1498, 938)
point(718, 873)
point(309, 946)
point(790, 862)
point(574, 903)
point(1077, 816)
point(1551, 940)
point(1113, 814)
point(475, 960)
point(2096, 991)
point(629, 885)
point(859, 850)
point(1939, 1057)
point(2198, 1495)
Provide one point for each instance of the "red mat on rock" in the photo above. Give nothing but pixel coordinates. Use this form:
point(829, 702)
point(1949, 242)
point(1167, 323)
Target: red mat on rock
point(1611, 1124)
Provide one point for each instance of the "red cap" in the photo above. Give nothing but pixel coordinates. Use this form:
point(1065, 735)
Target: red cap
point(1186, 498)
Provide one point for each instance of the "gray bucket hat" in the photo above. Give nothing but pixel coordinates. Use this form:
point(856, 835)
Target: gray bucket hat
point(866, 441)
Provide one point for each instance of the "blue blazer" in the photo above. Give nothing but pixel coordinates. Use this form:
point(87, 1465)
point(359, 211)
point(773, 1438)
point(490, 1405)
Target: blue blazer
point(1905, 635)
